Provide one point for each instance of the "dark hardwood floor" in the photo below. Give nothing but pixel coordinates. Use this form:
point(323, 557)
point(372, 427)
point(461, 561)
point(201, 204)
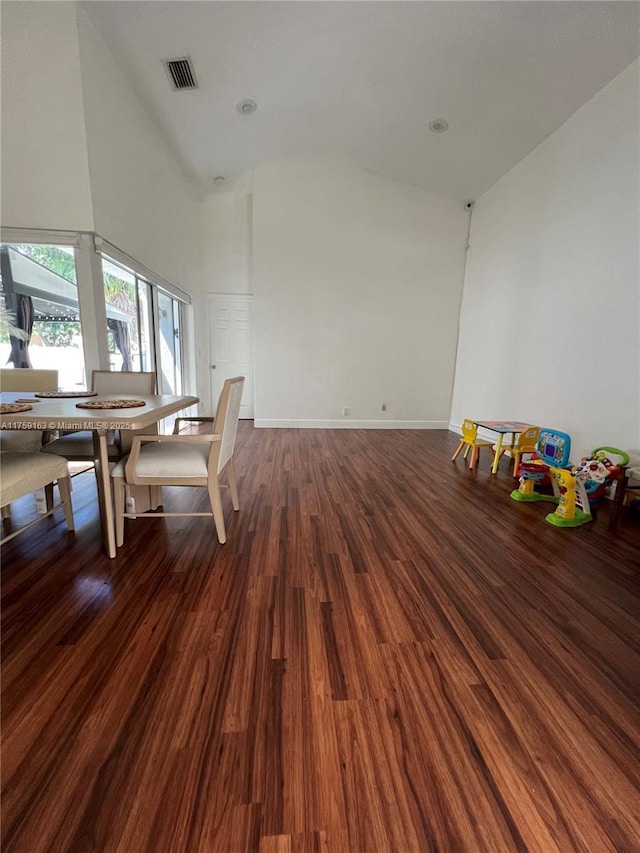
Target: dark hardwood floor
point(387, 655)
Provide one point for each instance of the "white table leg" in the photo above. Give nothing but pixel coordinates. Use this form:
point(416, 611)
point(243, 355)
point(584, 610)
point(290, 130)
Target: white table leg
point(145, 497)
point(105, 494)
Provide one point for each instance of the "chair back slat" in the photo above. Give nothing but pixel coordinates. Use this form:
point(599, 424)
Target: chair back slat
point(226, 420)
point(28, 379)
point(469, 430)
point(123, 382)
point(528, 439)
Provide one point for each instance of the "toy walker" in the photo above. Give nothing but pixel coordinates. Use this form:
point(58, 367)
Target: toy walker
point(598, 472)
point(575, 489)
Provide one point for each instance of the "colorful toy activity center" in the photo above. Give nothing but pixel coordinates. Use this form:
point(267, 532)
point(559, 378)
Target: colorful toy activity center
point(576, 489)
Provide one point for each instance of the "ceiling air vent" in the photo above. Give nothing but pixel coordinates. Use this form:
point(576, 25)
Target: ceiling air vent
point(180, 73)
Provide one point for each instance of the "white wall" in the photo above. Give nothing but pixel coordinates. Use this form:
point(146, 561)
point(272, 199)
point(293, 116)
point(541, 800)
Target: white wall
point(225, 246)
point(550, 321)
point(225, 235)
point(142, 202)
point(79, 152)
point(357, 283)
point(44, 162)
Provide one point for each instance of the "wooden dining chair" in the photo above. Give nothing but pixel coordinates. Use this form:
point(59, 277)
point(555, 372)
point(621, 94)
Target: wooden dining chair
point(23, 473)
point(78, 446)
point(30, 381)
point(185, 460)
point(631, 492)
point(471, 443)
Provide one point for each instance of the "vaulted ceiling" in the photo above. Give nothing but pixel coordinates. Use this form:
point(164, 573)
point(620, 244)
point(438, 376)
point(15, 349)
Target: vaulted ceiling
point(363, 80)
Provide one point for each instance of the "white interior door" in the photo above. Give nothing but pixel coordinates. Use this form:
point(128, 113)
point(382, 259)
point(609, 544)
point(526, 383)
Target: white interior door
point(231, 346)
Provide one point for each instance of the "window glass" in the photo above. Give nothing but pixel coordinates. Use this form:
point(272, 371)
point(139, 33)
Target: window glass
point(123, 328)
point(169, 343)
point(40, 317)
point(40, 324)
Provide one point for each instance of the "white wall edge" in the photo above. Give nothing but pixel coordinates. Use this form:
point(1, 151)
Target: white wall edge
point(261, 423)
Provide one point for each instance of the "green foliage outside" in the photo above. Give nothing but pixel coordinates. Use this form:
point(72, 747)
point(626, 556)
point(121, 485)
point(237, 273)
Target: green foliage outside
point(53, 258)
point(119, 293)
point(56, 334)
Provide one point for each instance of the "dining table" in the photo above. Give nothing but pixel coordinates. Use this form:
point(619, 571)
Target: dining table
point(502, 428)
point(68, 413)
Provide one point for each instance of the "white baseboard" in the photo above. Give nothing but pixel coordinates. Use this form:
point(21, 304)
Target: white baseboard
point(266, 423)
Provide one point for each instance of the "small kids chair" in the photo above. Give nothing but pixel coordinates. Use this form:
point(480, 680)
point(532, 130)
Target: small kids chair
point(470, 441)
point(526, 443)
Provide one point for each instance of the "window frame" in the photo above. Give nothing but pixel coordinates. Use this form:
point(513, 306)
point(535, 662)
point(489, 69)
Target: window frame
point(89, 249)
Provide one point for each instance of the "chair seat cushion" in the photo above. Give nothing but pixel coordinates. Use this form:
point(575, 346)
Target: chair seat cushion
point(179, 460)
point(21, 441)
point(77, 446)
point(22, 473)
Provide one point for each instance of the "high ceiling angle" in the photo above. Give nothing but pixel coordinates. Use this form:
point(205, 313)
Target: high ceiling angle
point(367, 82)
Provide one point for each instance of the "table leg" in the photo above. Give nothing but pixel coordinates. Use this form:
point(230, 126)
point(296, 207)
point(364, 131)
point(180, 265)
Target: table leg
point(105, 494)
point(145, 497)
point(496, 458)
point(618, 499)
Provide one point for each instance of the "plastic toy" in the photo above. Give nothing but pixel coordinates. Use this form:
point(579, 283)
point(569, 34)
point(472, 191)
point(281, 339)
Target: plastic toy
point(573, 507)
point(552, 452)
point(575, 489)
point(601, 476)
point(582, 487)
point(597, 471)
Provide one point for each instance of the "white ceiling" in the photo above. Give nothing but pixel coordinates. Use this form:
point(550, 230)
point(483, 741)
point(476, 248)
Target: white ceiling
point(362, 80)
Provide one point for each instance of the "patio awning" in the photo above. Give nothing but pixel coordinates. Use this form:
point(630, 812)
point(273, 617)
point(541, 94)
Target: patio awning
point(54, 298)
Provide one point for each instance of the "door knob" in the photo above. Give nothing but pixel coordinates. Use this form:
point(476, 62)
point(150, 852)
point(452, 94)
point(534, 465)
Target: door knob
point(213, 367)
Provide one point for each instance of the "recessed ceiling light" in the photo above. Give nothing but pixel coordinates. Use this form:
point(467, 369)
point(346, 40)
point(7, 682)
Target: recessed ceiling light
point(219, 179)
point(247, 107)
point(438, 125)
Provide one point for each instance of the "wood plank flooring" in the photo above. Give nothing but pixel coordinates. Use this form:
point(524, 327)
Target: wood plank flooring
point(387, 655)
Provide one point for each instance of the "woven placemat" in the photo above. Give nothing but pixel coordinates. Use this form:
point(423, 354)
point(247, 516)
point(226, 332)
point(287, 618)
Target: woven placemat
point(64, 394)
point(13, 408)
point(111, 404)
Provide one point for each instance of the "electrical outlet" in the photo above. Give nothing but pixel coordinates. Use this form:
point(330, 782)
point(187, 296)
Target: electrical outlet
point(346, 411)
point(384, 407)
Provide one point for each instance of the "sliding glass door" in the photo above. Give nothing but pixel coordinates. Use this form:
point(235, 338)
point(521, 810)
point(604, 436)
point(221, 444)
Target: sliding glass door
point(169, 344)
